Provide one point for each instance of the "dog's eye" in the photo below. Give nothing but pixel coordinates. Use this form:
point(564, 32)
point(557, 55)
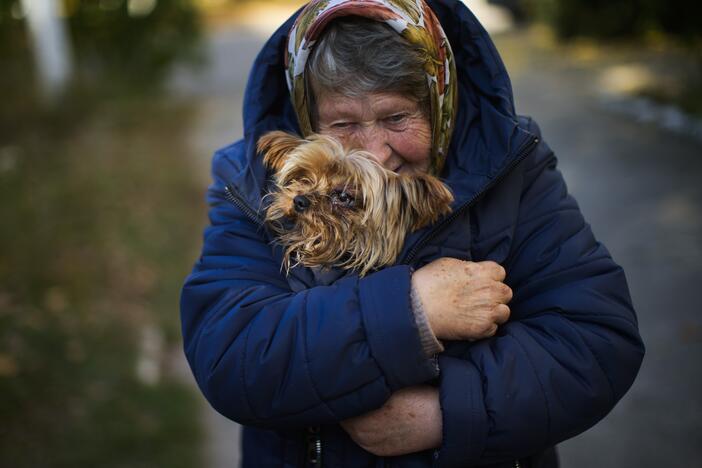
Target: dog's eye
point(342, 198)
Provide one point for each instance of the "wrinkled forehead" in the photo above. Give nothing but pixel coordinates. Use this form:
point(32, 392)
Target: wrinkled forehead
point(332, 106)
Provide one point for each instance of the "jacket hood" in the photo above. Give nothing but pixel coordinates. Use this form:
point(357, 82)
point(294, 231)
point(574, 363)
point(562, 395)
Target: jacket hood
point(486, 136)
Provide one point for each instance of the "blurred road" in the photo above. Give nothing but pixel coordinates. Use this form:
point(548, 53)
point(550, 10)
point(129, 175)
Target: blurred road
point(219, 89)
point(638, 186)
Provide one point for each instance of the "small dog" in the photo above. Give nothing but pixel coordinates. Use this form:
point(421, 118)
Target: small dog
point(334, 207)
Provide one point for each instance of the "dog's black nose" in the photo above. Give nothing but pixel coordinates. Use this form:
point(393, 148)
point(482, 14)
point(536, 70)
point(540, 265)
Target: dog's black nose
point(301, 203)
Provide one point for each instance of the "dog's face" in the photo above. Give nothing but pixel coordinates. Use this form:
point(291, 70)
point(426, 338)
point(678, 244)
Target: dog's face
point(334, 207)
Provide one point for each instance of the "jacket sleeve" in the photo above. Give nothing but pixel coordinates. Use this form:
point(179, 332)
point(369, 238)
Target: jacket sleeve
point(570, 350)
point(265, 356)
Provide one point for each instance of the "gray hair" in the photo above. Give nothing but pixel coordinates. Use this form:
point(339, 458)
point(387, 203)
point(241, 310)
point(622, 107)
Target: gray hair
point(356, 56)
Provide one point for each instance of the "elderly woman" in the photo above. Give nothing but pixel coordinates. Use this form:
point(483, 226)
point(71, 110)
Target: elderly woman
point(502, 330)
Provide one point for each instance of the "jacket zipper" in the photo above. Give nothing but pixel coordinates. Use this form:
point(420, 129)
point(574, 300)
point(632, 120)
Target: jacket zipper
point(234, 197)
point(313, 437)
point(523, 153)
point(314, 446)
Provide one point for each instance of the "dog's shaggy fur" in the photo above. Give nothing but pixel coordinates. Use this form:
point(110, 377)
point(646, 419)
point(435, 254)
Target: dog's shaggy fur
point(334, 207)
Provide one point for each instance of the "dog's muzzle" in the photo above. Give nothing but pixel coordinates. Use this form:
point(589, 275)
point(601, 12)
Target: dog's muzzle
point(301, 203)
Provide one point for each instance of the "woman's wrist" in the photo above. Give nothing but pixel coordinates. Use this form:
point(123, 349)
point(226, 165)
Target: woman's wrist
point(430, 344)
point(421, 285)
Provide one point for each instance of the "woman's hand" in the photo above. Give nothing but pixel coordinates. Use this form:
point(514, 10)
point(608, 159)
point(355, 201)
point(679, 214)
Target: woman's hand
point(410, 421)
point(463, 300)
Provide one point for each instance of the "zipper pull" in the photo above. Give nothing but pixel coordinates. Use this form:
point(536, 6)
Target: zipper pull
point(314, 446)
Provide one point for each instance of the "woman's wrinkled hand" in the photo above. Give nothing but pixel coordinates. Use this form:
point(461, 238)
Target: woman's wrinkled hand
point(463, 300)
point(410, 421)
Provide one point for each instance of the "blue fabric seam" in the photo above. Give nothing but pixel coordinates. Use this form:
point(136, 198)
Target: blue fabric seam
point(306, 362)
point(541, 385)
point(366, 333)
point(473, 409)
point(599, 362)
point(543, 215)
point(243, 372)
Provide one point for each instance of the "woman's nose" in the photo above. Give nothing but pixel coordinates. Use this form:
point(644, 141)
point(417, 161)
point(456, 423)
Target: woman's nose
point(375, 142)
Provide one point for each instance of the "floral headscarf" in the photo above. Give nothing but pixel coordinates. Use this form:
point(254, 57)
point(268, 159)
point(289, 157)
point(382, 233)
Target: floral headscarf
point(414, 21)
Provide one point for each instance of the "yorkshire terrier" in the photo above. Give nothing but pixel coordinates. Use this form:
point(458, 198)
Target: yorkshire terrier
point(333, 207)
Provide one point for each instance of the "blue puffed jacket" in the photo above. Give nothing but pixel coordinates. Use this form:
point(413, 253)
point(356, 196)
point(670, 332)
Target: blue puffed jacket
point(289, 358)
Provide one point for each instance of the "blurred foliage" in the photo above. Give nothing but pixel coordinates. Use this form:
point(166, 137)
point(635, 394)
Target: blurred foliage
point(97, 201)
point(97, 237)
point(112, 40)
point(115, 52)
point(673, 27)
point(609, 19)
point(137, 49)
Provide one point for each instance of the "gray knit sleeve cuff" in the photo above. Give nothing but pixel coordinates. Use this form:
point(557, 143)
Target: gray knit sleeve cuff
point(430, 344)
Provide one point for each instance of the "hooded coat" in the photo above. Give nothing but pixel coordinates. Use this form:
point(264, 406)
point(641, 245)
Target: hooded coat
point(290, 357)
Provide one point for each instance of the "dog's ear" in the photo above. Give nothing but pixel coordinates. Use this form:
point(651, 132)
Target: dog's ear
point(275, 147)
point(425, 198)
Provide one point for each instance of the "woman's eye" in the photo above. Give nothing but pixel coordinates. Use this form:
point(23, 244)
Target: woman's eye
point(342, 125)
point(396, 120)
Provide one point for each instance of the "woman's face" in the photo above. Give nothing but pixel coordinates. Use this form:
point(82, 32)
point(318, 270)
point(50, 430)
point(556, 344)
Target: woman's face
point(390, 126)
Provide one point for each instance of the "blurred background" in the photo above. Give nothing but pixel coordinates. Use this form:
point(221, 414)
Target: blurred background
point(110, 113)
